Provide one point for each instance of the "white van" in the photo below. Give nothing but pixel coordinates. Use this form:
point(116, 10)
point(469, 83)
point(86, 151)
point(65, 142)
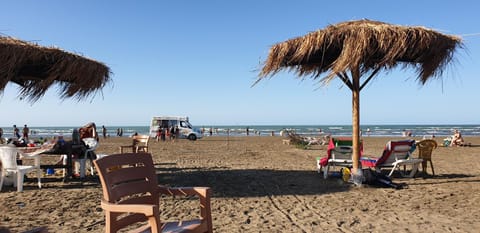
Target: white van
point(186, 129)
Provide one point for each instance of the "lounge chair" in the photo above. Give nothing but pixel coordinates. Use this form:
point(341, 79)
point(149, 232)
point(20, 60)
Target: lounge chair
point(131, 194)
point(339, 153)
point(395, 155)
point(425, 149)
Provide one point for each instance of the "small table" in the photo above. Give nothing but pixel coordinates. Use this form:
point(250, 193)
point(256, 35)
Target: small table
point(66, 148)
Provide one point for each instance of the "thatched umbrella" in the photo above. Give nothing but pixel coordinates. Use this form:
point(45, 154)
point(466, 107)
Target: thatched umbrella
point(36, 68)
point(363, 48)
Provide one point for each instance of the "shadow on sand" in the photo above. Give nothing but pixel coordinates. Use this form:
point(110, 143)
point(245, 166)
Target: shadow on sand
point(230, 183)
point(447, 178)
point(252, 182)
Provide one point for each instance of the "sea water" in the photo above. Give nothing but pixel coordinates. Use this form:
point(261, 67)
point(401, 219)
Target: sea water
point(345, 130)
point(268, 130)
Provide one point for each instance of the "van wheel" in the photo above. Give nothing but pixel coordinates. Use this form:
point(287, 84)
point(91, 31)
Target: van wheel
point(192, 137)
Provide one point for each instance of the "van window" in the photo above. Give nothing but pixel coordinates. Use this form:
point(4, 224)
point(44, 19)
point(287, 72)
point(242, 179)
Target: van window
point(185, 124)
point(173, 123)
point(163, 123)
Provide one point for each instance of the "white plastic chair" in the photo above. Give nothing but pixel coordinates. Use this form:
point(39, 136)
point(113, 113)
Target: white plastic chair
point(8, 157)
point(91, 144)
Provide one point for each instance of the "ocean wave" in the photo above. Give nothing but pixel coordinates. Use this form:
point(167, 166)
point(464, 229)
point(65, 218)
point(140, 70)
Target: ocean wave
point(266, 130)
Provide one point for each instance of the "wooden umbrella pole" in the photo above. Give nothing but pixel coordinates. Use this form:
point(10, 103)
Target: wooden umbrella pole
point(355, 119)
point(356, 129)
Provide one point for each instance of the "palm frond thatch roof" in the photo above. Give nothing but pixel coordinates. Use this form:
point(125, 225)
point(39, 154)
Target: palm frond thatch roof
point(363, 45)
point(36, 68)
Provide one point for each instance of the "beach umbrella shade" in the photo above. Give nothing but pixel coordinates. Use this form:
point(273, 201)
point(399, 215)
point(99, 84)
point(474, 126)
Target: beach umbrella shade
point(36, 68)
point(355, 51)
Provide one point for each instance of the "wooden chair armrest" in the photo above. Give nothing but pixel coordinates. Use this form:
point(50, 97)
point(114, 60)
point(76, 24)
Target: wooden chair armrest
point(147, 210)
point(204, 192)
point(126, 147)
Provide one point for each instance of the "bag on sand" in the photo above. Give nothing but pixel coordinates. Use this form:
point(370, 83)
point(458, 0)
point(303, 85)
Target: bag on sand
point(371, 178)
point(377, 179)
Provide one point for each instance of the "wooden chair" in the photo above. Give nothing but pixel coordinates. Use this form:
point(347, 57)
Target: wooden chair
point(425, 149)
point(139, 144)
point(131, 194)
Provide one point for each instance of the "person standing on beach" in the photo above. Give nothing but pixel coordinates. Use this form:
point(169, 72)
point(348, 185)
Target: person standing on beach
point(172, 134)
point(159, 134)
point(1, 136)
point(162, 134)
point(177, 132)
point(167, 133)
point(25, 132)
point(104, 132)
point(16, 131)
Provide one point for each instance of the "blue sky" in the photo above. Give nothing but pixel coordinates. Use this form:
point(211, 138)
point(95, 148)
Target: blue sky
point(200, 58)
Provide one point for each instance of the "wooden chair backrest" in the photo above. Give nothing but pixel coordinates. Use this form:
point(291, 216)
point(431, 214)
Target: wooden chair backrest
point(140, 143)
point(425, 148)
point(127, 179)
point(141, 140)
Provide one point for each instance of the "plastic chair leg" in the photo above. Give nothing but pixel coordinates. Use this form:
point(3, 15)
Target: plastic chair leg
point(424, 166)
point(2, 175)
point(39, 177)
point(431, 165)
point(414, 170)
point(92, 167)
point(325, 172)
point(82, 167)
point(20, 176)
point(64, 157)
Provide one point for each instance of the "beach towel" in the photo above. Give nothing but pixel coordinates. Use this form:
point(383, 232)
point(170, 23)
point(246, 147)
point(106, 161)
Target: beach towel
point(377, 179)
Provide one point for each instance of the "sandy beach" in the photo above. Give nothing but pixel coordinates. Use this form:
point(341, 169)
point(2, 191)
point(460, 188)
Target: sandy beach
point(262, 185)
